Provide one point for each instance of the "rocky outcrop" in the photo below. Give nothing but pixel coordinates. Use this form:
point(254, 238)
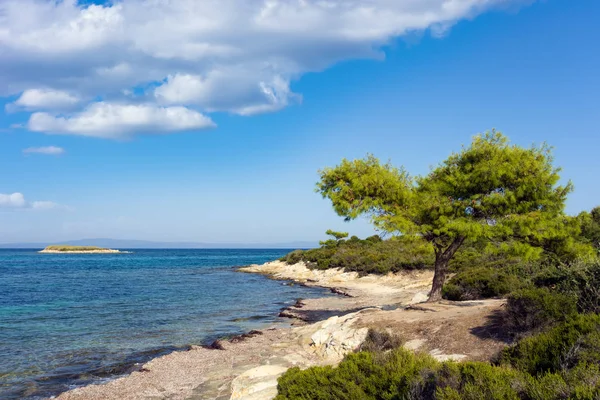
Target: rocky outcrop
point(390, 288)
point(322, 343)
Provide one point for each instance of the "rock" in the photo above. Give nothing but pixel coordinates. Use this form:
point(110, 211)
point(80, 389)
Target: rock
point(335, 337)
point(340, 292)
point(420, 297)
point(258, 383)
point(437, 354)
point(216, 345)
point(414, 344)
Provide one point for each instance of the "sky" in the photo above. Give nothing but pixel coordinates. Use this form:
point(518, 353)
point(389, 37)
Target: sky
point(207, 121)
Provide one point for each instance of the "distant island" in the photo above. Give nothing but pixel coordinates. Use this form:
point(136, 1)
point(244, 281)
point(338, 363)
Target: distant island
point(77, 249)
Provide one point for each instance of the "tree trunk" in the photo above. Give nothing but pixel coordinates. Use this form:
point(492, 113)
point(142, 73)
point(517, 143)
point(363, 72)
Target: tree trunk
point(442, 259)
point(439, 277)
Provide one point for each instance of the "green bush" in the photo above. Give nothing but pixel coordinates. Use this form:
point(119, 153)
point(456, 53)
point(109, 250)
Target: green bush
point(400, 374)
point(361, 376)
point(580, 280)
point(371, 255)
point(537, 308)
point(293, 257)
point(480, 283)
point(476, 380)
point(563, 347)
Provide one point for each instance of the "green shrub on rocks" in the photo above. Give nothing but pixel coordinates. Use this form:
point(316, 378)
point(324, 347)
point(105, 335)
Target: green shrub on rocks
point(563, 363)
point(402, 374)
point(480, 283)
point(371, 255)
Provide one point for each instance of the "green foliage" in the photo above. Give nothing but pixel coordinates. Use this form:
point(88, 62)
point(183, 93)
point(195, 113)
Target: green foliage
point(473, 381)
point(293, 257)
point(590, 227)
point(537, 308)
point(564, 347)
point(480, 283)
point(563, 364)
point(580, 280)
point(371, 255)
point(569, 243)
point(361, 376)
point(337, 235)
point(489, 190)
point(336, 238)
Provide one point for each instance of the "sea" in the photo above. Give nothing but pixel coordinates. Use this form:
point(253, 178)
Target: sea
point(68, 320)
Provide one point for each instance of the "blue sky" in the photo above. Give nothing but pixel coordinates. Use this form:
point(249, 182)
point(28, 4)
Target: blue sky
point(107, 132)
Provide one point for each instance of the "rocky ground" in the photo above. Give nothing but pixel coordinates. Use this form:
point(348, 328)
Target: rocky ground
point(325, 330)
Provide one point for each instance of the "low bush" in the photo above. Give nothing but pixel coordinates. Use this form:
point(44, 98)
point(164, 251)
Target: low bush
point(537, 308)
point(361, 376)
point(572, 343)
point(401, 374)
point(380, 341)
point(580, 279)
point(371, 255)
point(480, 283)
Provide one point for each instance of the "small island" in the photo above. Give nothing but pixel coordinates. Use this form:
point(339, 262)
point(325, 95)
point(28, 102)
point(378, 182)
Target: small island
point(60, 248)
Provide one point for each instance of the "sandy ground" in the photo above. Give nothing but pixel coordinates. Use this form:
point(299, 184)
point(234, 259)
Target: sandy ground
point(247, 368)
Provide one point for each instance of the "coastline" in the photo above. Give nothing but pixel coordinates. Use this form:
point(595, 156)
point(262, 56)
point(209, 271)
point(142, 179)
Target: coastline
point(322, 331)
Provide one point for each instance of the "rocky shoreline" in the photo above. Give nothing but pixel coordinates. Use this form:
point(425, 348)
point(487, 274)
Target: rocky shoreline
point(323, 330)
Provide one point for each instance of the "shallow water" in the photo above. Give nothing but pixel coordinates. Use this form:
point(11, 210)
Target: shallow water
point(72, 319)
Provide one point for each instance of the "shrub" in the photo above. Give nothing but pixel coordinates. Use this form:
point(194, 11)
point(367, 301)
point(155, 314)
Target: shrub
point(476, 380)
point(371, 255)
point(537, 308)
point(380, 341)
point(480, 283)
point(401, 374)
point(562, 348)
point(580, 280)
point(294, 257)
point(359, 376)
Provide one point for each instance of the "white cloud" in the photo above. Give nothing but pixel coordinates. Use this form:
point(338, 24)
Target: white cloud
point(44, 99)
point(17, 201)
point(115, 121)
point(49, 150)
point(235, 91)
point(214, 55)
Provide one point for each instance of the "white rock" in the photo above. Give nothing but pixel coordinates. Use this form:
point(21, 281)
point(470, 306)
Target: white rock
point(420, 297)
point(414, 344)
point(258, 383)
point(439, 356)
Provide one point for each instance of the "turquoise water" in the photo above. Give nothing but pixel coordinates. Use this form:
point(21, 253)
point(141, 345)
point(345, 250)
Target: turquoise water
point(68, 320)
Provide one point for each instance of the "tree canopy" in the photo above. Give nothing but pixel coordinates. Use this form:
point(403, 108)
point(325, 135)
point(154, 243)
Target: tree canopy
point(590, 227)
point(490, 190)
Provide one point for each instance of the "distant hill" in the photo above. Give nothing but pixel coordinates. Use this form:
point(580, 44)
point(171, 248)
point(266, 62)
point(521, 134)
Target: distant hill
point(147, 244)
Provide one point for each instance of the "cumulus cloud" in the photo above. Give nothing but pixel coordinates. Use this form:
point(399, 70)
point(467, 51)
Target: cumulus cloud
point(204, 56)
point(44, 99)
point(113, 121)
point(48, 150)
point(17, 201)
